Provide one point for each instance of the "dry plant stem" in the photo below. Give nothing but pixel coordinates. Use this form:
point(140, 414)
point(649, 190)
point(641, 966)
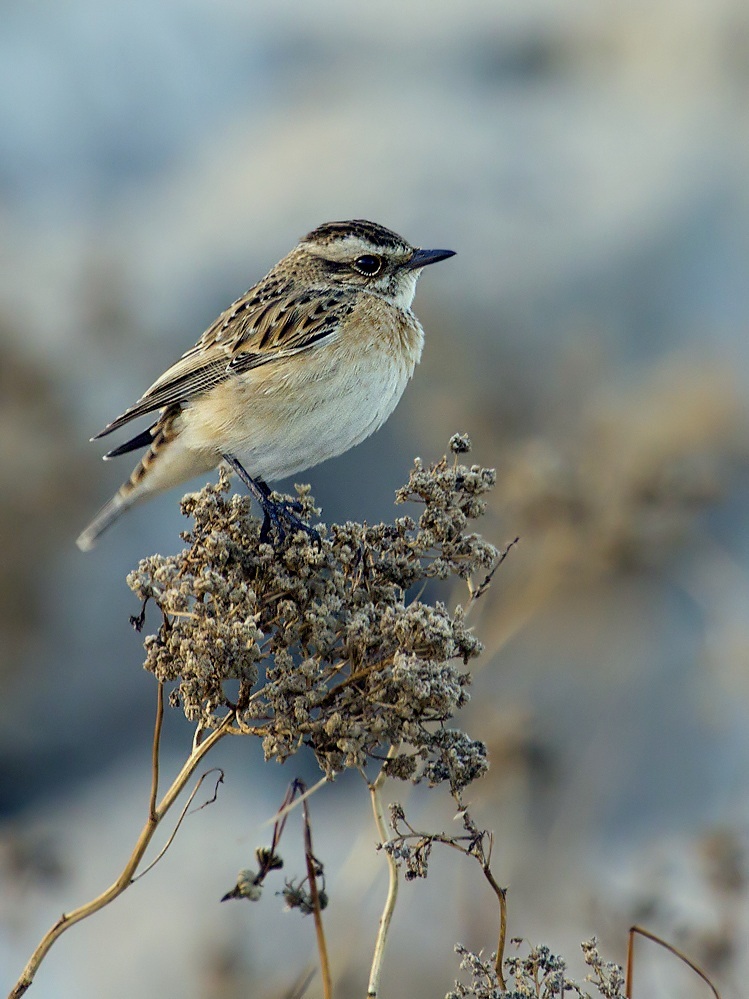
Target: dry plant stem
point(180, 820)
point(375, 973)
point(476, 592)
point(322, 948)
point(501, 894)
point(522, 607)
point(156, 749)
point(155, 814)
point(293, 803)
point(299, 989)
point(669, 947)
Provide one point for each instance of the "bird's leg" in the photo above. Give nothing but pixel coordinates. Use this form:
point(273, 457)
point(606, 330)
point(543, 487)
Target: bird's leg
point(259, 490)
point(275, 512)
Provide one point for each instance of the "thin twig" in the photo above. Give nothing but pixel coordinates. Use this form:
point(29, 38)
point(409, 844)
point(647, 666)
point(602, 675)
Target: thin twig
point(293, 800)
point(299, 988)
point(375, 974)
point(155, 750)
point(630, 963)
point(667, 946)
point(312, 873)
point(182, 815)
point(501, 894)
point(214, 797)
point(197, 736)
point(480, 590)
point(475, 849)
point(126, 877)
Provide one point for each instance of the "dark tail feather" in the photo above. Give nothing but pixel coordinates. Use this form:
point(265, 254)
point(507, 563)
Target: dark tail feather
point(142, 440)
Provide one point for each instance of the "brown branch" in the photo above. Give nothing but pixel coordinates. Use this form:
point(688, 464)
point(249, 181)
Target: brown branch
point(667, 946)
point(501, 894)
point(125, 879)
point(312, 874)
point(156, 750)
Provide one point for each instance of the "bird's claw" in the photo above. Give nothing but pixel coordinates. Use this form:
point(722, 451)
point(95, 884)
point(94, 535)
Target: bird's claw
point(282, 514)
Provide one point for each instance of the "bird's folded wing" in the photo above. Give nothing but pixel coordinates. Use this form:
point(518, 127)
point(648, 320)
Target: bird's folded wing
point(252, 332)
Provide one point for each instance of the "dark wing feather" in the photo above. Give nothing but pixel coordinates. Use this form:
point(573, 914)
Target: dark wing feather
point(269, 323)
point(140, 440)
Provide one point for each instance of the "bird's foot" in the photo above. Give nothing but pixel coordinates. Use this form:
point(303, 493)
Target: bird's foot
point(278, 514)
point(281, 515)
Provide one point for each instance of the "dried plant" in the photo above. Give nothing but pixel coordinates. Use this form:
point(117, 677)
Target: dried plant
point(351, 661)
point(539, 974)
point(327, 644)
point(337, 644)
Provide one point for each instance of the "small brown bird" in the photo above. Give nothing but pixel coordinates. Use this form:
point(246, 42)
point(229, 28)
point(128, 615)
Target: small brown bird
point(309, 362)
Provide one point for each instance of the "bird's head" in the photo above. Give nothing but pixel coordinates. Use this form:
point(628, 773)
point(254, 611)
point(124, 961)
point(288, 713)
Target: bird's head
point(365, 255)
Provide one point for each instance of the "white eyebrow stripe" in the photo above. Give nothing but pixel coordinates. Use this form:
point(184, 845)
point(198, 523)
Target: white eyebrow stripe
point(349, 247)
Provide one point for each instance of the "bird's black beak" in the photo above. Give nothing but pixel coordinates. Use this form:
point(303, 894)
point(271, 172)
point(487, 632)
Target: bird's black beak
point(423, 257)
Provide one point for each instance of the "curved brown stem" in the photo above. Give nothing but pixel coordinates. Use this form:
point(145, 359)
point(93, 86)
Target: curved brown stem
point(156, 749)
point(373, 989)
point(501, 894)
point(155, 814)
point(667, 946)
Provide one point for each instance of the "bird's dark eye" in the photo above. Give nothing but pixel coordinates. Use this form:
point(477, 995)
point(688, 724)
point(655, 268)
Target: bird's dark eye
point(368, 264)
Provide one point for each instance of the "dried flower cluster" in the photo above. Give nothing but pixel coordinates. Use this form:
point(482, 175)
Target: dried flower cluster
point(327, 644)
point(412, 849)
point(538, 975)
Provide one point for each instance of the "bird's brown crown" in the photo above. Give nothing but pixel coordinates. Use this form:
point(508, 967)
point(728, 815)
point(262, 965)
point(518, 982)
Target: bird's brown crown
point(357, 229)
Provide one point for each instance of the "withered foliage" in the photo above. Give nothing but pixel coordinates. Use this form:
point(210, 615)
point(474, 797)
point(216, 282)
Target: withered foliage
point(332, 645)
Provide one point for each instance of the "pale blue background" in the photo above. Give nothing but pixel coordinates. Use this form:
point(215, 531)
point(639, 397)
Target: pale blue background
point(588, 162)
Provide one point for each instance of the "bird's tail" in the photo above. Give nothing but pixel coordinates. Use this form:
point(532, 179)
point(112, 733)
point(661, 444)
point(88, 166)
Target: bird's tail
point(110, 512)
point(129, 492)
point(164, 465)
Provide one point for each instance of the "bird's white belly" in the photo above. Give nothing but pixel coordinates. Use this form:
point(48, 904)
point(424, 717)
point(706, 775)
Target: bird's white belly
point(328, 425)
point(281, 426)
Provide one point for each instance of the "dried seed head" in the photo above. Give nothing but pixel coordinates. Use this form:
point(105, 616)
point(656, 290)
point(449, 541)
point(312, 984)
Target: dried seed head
point(352, 659)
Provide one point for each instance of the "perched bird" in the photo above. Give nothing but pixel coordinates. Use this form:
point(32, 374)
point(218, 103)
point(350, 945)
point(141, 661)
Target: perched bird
point(309, 362)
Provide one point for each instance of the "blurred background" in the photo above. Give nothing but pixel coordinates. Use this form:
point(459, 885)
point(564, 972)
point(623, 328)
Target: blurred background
point(589, 163)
